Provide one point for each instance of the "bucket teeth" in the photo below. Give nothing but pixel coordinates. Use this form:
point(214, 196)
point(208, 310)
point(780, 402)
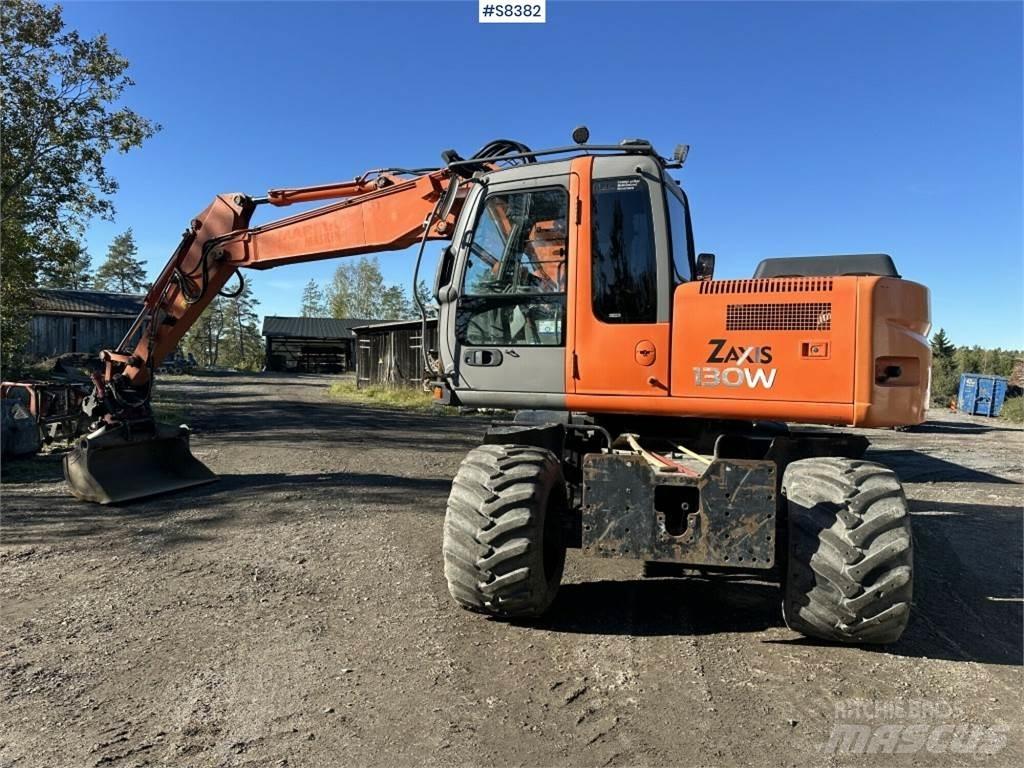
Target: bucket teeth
point(115, 466)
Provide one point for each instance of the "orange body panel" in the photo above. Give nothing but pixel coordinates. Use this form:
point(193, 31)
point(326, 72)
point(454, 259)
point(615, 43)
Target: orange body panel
point(894, 319)
point(727, 341)
point(832, 350)
point(607, 359)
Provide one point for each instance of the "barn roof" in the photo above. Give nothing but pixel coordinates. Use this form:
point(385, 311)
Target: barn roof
point(395, 325)
point(310, 327)
point(64, 301)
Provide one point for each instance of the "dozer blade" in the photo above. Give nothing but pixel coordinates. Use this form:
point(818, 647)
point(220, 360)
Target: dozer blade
point(114, 466)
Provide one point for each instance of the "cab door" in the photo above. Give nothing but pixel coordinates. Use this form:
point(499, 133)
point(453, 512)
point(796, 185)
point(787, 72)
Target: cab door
point(620, 308)
point(506, 328)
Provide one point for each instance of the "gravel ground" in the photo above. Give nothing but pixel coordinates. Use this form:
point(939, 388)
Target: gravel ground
point(295, 613)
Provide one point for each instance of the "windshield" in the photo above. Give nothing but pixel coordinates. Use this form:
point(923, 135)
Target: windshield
point(519, 244)
point(514, 282)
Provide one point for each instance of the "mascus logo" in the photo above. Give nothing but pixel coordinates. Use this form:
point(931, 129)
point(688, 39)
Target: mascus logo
point(737, 375)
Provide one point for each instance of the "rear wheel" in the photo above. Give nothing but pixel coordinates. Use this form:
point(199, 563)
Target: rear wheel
point(850, 571)
point(503, 547)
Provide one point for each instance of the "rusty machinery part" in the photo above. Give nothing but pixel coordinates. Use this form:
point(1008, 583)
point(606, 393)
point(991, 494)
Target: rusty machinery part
point(56, 407)
point(723, 517)
point(503, 547)
point(850, 570)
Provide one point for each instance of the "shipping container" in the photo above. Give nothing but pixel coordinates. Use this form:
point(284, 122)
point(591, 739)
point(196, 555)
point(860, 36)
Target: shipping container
point(981, 394)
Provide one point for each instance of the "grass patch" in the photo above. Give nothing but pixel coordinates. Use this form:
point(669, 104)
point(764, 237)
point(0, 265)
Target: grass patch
point(1013, 410)
point(403, 398)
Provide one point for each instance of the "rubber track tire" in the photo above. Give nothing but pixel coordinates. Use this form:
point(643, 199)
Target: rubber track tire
point(850, 566)
point(503, 548)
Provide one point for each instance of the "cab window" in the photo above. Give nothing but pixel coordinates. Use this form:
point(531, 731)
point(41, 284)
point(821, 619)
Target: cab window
point(623, 266)
point(680, 238)
point(513, 289)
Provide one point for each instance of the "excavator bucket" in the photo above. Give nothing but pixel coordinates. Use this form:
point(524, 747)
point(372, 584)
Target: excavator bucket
point(112, 467)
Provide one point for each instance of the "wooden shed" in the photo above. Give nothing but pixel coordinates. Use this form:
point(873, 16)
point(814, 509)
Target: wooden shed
point(310, 344)
point(65, 320)
point(391, 354)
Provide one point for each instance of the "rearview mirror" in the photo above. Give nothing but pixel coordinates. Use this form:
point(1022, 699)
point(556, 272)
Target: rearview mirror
point(443, 276)
point(705, 266)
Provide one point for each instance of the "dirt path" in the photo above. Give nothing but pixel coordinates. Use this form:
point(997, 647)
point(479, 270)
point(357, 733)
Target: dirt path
point(295, 614)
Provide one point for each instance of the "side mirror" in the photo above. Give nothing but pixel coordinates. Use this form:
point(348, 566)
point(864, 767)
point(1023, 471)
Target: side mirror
point(705, 266)
point(443, 276)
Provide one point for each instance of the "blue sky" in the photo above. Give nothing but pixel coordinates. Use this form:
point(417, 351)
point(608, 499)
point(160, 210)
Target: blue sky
point(815, 127)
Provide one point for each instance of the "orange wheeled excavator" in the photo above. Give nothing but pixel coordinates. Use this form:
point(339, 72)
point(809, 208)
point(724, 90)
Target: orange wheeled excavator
point(651, 400)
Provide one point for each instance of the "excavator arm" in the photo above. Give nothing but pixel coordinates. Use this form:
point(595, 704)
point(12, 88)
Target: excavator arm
point(128, 454)
point(376, 212)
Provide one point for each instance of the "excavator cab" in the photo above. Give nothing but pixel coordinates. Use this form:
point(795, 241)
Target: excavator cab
point(559, 280)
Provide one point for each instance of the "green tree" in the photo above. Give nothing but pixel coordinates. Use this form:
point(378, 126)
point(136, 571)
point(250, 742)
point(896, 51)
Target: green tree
point(65, 264)
point(204, 338)
point(970, 359)
point(243, 342)
point(313, 302)
point(941, 345)
point(62, 114)
point(121, 271)
point(426, 298)
point(945, 374)
point(340, 291)
point(368, 298)
point(394, 304)
point(357, 290)
point(17, 276)
point(998, 361)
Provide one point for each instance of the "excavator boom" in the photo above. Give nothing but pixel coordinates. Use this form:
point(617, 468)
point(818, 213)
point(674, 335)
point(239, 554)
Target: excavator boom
point(128, 454)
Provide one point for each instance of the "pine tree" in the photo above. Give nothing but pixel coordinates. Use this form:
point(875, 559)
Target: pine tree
point(205, 336)
point(394, 305)
point(945, 375)
point(244, 347)
point(941, 345)
point(426, 299)
point(121, 271)
point(65, 264)
point(313, 303)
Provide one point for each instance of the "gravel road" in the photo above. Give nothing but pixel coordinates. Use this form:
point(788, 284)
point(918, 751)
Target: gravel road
point(295, 613)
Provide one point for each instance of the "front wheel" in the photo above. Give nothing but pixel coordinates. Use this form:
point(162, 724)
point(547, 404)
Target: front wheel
point(503, 547)
point(850, 571)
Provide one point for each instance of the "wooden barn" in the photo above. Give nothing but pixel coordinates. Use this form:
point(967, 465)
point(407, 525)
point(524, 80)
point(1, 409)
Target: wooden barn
point(65, 320)
point(310, 344)
point(391, 354)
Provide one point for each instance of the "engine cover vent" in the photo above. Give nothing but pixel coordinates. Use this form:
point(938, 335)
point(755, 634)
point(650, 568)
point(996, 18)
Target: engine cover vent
point(776, 285)
point(808, 316)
